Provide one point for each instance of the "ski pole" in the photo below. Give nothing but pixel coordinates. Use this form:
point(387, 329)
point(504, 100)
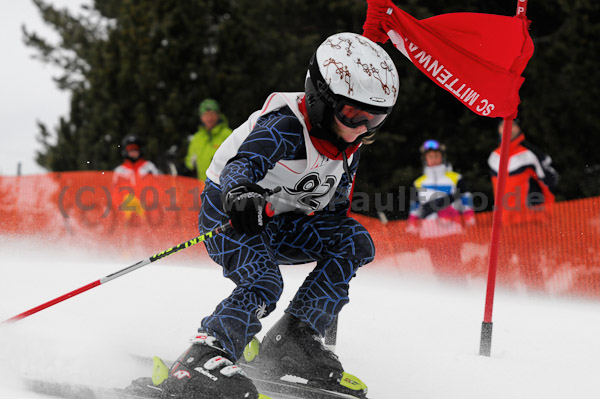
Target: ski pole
point(203, 237)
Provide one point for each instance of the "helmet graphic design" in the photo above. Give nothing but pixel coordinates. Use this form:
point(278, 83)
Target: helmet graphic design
point(353, 78)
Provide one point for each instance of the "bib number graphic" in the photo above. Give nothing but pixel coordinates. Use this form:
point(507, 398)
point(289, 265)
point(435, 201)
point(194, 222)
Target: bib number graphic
point(310, 190)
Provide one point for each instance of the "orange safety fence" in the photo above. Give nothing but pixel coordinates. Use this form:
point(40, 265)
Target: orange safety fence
point(89, 209)
point(560, 255)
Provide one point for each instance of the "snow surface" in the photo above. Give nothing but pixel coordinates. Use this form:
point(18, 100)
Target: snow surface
point(406, 336)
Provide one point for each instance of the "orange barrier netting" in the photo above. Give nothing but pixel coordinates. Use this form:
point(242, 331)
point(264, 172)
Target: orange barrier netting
point(560, 255)
point(89, 210)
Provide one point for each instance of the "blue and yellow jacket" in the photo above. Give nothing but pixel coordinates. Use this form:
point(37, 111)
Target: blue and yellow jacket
point(440, 203)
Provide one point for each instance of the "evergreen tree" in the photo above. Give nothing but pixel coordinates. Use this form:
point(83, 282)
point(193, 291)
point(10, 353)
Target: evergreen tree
point(143, 66)
point(138, 67)
point(558, 112)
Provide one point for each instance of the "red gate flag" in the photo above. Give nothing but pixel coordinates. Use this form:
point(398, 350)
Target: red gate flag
point(478, 58)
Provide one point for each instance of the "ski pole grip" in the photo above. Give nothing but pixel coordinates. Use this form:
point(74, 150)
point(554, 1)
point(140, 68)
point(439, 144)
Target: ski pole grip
point(269, 207)
point(269, 210)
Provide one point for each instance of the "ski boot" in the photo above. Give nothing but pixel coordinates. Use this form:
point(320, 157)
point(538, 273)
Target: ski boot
point(205, 371)
point(292, 351)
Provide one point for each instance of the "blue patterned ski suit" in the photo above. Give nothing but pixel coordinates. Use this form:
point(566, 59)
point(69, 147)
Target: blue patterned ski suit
point(338, 243)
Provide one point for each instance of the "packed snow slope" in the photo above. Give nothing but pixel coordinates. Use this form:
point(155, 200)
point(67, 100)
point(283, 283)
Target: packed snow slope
point(406, 336)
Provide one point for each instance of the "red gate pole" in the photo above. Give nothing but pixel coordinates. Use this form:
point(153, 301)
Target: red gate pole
point(521, 9)
point(485, 345)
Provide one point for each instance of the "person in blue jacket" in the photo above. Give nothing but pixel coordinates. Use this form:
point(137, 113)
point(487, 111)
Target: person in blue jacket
point(283, 180)
point(442, 210)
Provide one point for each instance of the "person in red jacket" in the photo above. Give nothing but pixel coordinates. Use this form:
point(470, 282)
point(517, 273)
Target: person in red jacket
point(528, 202)
point(531, 181)
point(128, 178)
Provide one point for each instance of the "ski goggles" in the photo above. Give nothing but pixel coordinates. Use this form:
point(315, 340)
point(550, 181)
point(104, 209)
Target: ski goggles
point(432, 145)
point(353, 116)
point(350, 113)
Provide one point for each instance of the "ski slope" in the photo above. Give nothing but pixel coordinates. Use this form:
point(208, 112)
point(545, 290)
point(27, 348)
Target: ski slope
point(406, 336)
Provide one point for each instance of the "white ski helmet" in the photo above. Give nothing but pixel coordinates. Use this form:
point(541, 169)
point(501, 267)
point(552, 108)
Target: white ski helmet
point(353, 78)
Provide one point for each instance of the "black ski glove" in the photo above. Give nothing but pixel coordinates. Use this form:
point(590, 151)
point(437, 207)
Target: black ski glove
point(248, 209)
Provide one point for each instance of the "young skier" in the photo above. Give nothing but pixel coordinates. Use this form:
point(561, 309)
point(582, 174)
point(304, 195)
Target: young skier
point(528, 202)
point(443, 207)
point(531, 179)
point(129, 179)
point(134, 166)
point(307, 145)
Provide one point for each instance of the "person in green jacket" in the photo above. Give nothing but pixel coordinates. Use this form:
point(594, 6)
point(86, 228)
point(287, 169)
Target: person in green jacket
point(211, 133)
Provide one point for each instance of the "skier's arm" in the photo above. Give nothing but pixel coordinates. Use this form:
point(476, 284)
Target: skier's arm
point(415, 207)
point(414, 216)
point(546, 173)
point(152, 169)
point(466, 202)
point(278, 135)
point(550, 174)
point(275, 136)
point(190, 158)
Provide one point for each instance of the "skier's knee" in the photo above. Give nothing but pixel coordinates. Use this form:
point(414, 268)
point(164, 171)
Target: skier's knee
point(362, 246)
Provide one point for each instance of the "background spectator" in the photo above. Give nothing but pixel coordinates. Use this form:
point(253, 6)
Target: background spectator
point(128, 178)
point(442, 204)
point(531, 179)
point(211, 133)
point(528, 202)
